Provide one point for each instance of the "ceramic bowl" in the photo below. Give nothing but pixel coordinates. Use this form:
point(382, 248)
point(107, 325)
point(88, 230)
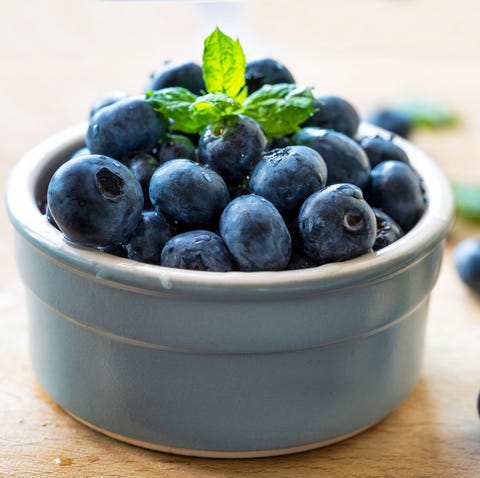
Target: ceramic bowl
point(223, 364)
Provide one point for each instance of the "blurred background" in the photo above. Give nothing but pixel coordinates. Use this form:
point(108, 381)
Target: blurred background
point(57, 57)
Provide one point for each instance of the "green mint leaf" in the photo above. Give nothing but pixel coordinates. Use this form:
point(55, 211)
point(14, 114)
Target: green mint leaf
point(214, 105)
point(467, 200)
point(280, 108)
point(224, 65)
point(427, 115)
point(175, 104)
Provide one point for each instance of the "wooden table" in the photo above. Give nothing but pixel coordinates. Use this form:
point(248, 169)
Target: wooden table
point(57, 58)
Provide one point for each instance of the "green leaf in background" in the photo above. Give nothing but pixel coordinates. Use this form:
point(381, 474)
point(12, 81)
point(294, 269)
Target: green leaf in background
point(427, 115)
point(224, 65)
point(467, 200)
point(280, 108)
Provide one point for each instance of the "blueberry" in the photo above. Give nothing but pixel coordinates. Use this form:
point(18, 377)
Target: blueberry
point(232, 146)
point(287, 176)
point(334, 113)
point(125, 128)
point(336, 224)
point(80, 152)
point(466, 256)
point(391, 120)
point(149, 237)
point(186, 74)
point(107, 99)
point(388, 231)
point(397, 189)
point(299, 260)
point(190, 193)
point(197, 250)
point(266, 71)
point(255, 234)
point(115, 250)
point(95, 200)
point(380, 149)
point(345, 159)
point(176, 146)
point(143, 165)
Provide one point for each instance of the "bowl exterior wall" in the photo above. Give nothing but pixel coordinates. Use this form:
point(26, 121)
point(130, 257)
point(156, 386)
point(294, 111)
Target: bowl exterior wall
point(303, 377)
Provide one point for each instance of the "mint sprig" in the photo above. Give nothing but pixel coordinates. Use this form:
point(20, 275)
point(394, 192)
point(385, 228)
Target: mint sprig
point(224, 65)
point(279, 109)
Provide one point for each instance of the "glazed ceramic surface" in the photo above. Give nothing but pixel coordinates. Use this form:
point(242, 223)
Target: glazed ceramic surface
point(223, 364)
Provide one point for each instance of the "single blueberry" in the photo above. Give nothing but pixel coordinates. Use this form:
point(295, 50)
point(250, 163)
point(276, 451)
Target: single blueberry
point(299, 260)
point(107, 99)
point(125, 128)
point(334, 113)
point(197, 250)
point(176, 146)
point(388, 231)
point(266, 71)
point(115, 250)
point(336, 224)
point(232, 146)
point(149, 237)
point(143, 165)
point(190, 193)
point(95, 200)
point(256, 234)
point(379, 149)
point(391, 120)
point(80, 152)
point(186, 74)
point(287, 176)
point(345, 159)
point(466, 256)
point(397, 189)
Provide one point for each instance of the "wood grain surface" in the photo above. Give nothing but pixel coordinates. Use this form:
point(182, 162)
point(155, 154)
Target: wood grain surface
point(57, 56)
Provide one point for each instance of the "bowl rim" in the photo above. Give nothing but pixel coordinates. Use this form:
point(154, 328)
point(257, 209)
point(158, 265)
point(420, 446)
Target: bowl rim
point(34, 227)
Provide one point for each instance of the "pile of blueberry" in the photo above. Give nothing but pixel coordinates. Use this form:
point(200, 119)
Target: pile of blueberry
point(231, 198)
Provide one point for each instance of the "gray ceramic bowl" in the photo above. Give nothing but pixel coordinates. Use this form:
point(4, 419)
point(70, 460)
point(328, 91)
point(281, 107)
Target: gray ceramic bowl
point(223, 364)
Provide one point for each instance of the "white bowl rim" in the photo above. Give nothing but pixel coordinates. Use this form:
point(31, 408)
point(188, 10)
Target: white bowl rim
point(33, 226)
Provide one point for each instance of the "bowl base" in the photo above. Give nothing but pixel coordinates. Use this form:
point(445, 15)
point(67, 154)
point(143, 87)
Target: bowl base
point(220, 453)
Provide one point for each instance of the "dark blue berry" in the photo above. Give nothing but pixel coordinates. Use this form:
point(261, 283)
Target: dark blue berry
point(115, 250)
point(190, 193)
point(336, 224)
point(95, 200)
point(107, 99)
point(467, 261)
point(334, 113)
point(379, 149)
point(80, 152)
point(299, 260)
point(198, 251)
point(125, 128)
point(345, 159)
point(185, 74)
point(397, 189)
point(391, 120)
point(149, 237)
point(143, 166)
point(232, 146)
point(287, 176)
point(255, 234)
point(388, 231)
point(176, 146)
point(266, 71)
